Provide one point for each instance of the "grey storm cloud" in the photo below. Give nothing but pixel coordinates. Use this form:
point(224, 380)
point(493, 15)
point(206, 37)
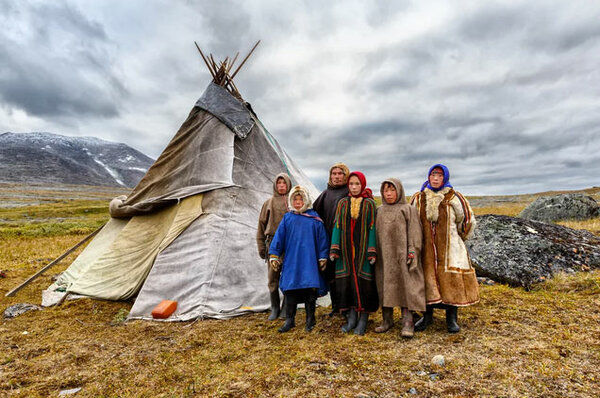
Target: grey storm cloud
point(503, 93)
point(56, 62)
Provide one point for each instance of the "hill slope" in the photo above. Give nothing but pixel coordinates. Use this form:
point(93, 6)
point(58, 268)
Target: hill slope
point(45, 158)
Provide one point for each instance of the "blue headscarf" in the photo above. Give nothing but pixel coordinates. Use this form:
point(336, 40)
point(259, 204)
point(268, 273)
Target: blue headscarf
point(446, 178)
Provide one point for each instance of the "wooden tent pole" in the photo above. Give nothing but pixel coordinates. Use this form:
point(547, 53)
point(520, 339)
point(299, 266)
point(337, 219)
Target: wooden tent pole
point(205, 61)
point(245, 59)
point(47, 267)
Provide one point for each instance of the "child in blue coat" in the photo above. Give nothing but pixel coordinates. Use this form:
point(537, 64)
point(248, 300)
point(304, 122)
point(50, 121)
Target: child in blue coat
point(300, 248)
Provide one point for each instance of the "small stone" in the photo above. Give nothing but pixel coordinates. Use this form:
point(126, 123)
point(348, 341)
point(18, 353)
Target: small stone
point(69, 392)
point(421, 373)
point(412, 391)
point(438, 360)
point(25, 332)
point(434, 376)
point(19, 309)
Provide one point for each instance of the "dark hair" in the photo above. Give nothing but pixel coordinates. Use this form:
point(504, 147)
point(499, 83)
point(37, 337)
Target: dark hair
point(388, 184)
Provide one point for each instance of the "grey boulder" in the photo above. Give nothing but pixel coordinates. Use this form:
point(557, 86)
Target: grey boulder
point(522, 252)
point(562, 207)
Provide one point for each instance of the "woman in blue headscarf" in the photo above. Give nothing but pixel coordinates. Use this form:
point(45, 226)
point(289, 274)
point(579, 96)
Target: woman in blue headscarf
point(447, 220)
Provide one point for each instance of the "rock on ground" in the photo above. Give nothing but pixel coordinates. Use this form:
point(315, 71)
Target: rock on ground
point(522, 252)
point(562, 207)
point(19, 309)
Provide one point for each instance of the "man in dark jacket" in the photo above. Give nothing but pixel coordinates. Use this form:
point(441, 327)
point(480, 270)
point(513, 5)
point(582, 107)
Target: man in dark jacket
point(325, 206)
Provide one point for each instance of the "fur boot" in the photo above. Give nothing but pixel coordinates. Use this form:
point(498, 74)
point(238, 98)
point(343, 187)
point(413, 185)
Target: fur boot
point(387, 313)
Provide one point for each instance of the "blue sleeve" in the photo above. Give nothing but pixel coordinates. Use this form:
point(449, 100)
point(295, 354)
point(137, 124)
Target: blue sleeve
point(322, 241)
point(278, 243)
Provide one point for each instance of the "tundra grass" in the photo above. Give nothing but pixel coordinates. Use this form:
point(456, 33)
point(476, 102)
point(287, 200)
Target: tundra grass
point(543, 342)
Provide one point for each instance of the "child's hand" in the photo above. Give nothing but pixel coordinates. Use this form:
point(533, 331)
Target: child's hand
point(322, 264)
point(372, 261)
point(411, 256)
point(275, 264)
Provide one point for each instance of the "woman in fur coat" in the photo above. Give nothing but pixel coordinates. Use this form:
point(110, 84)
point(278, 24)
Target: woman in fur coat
point(353, 248)
point(398, 271)
point(447, 220)
point(301, 240)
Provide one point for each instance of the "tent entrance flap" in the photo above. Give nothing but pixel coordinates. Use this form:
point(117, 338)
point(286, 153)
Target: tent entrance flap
point(120, 271)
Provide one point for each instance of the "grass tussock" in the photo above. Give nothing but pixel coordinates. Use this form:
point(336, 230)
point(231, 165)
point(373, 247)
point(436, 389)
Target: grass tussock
point(514, 343)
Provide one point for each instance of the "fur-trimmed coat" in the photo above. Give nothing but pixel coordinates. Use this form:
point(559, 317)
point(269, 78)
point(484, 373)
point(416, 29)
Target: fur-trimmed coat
point(399, 232)
point(447, 220)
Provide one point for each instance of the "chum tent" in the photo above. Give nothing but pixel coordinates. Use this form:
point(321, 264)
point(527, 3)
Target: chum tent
point(187, 231)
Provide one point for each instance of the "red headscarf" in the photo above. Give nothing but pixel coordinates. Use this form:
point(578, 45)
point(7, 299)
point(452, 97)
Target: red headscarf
point(365, 192)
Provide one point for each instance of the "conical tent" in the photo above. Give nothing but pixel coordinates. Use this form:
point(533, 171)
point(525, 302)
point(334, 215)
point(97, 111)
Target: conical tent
point(187, 230)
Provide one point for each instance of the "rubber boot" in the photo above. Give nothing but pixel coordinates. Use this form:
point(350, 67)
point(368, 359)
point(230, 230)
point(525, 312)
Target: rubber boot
point(282, 314)
point(361, 327)
point(387, 313)
point(274, 306)
point(310, 306)
point(290, 315)
point(408, 327)
point(426, 320)
point(350, 321)
point(451, 319)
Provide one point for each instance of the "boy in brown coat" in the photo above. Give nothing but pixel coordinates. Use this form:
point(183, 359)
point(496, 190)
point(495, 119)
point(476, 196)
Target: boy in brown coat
point(398, 271)
point(271, 214)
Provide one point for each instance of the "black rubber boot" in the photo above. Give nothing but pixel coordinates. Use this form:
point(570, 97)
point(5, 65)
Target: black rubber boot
point(310, 306)
point(425, 321)
point(361, 327)
point(283, 309)
point(274, 306)
point(451, 319)
point(387, 313)
point(290, 312)
point(350, 321)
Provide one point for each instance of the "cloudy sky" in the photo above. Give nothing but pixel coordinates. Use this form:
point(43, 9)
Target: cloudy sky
point(506, 94)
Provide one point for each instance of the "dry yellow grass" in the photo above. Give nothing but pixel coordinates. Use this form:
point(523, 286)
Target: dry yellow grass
point(543, 342)
point(592, 225)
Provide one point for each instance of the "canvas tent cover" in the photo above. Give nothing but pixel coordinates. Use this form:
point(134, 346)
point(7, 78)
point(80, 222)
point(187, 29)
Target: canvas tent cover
point(187, 230)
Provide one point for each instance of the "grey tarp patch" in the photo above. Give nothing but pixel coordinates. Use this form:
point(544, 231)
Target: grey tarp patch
point(227, 109)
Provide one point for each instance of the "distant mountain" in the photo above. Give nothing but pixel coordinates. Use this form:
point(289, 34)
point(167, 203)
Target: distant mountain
point(47, 158)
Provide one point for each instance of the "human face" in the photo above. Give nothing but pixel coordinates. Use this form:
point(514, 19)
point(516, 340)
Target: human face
point(337, 177)
point(298, 202)
point(354, 186)
point(281, 186)
point(436, 178)
point(390, 194)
